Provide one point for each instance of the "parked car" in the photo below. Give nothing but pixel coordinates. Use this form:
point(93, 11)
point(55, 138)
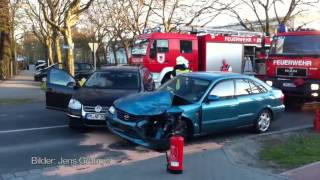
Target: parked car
point(86, 106)
point(195, 104)
point(41, 75)
point(40, 64)
point(82, 70)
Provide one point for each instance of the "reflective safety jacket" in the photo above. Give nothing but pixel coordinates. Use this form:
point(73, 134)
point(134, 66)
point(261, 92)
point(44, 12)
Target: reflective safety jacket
point(226, 68)
point(180, 69)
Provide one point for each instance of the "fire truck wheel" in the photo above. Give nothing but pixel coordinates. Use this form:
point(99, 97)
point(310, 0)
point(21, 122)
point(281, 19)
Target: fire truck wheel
point(166, 78)
point(263, 122)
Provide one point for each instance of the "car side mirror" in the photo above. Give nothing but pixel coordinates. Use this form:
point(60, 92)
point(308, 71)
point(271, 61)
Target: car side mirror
point(213, 98)
point(73, 85)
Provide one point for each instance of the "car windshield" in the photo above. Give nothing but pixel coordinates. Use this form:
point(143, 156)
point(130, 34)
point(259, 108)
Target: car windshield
point(296, 45)
point(113, 80)
point(81, 67)
point(190, 89)
point(140, 47)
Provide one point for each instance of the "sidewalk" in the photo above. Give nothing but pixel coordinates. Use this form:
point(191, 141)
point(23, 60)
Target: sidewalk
point(308, 172)
point(206, 165)
point(21, 86)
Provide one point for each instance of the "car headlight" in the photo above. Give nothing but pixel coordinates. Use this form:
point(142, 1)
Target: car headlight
point(112, 110)
point(38, 72)
point(270, 83)
point(74, 104)
point(314, 87)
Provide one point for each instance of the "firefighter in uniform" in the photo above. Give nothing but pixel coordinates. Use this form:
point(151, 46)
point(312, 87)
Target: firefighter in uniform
point(182, 66)
point(225, 66)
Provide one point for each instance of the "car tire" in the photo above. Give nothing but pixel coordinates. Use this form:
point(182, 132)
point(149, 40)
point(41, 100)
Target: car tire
point(263, 121)
point(166, 78)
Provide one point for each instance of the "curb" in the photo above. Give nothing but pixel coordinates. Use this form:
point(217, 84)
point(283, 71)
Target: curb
point(233, 162)
point(300, 168)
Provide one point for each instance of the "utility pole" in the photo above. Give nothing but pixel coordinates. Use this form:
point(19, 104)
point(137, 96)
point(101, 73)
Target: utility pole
point(94, 47)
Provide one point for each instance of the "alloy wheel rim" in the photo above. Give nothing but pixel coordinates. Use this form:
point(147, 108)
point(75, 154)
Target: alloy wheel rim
point(264, 121)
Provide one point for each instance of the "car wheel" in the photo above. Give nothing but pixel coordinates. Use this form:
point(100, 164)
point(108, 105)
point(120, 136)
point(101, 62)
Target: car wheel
point(182, 129)
point(263, 122)
point(166, 78)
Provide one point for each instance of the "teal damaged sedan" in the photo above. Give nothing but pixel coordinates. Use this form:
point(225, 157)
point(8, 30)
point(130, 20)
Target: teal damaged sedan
point(195, 104)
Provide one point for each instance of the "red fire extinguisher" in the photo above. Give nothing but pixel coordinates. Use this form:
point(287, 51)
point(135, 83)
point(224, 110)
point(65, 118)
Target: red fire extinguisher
point(175, 158)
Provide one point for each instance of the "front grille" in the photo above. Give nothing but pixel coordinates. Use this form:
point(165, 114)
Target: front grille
point(122, 115)
point(92, 109)
point(124, 129)
point(292, 72)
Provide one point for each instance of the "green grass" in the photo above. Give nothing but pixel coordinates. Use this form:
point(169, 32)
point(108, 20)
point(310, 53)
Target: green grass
point(15, 101)
point(43, 86)
point(297, 151)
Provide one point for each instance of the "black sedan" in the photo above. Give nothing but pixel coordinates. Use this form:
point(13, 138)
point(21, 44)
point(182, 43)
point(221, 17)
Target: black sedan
point(82, 70)
point(86, 106)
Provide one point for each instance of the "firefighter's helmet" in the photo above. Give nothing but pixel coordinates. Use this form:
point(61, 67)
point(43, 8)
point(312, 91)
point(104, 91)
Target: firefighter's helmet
point(182, 61)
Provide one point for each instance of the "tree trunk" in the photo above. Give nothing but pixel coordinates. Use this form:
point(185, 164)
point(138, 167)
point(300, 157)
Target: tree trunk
point(126, 50)
point(69, 42)
point(57, 47)
point(5, 55)
point(49, 50)
point(113, 47)
point(5, 40)
point(105, 54)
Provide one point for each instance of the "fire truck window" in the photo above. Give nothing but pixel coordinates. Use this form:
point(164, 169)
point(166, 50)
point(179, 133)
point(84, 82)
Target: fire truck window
point(162, 46)
point(242, 87)
point(185, 46)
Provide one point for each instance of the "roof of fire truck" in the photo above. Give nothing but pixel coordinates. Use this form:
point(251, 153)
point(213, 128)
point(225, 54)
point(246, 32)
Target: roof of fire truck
point(167, 35)
point(217, 35)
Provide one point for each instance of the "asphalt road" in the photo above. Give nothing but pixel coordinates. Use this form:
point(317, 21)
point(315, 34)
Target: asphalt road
point(30, 130)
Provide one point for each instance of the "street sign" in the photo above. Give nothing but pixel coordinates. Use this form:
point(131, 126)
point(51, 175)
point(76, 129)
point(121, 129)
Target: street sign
point(67, 47)
point(93, 46)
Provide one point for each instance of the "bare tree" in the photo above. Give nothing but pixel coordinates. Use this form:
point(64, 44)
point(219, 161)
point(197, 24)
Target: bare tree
point(40, 28)
point(173, 13)
point(70, 11)
point(263, 12)
point(295, 8)
point(5, 40)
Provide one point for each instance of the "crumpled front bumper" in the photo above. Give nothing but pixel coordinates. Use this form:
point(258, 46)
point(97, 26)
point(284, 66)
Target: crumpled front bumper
point(136, 133)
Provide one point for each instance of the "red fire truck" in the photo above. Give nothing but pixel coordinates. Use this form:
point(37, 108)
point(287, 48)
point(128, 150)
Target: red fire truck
point(293, 64)
point(204, 50)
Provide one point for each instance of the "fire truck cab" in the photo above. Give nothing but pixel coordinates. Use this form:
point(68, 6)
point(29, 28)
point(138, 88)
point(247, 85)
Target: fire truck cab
point(293, 64)
point(158, 51)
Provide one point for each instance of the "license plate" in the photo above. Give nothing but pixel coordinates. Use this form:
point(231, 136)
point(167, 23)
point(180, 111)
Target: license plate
point(95, 116)
point(289, 85)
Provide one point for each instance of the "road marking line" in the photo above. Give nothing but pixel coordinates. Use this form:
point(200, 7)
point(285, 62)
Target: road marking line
point(33, 129)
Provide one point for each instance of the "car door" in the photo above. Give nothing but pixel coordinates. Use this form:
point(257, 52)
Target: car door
point(249, 101)
point(60, 87)
point(222, 113)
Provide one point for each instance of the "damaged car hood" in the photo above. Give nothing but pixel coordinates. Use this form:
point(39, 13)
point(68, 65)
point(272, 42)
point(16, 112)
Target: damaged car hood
point(146, 104)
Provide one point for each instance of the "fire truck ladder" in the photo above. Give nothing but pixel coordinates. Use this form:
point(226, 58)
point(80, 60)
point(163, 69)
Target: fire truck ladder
point(213, 31)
